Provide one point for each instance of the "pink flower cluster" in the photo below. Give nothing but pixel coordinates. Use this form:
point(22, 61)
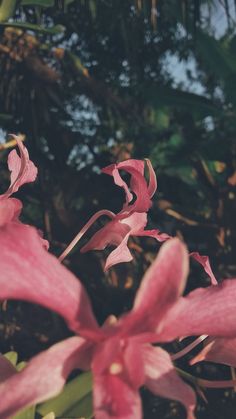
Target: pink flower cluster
point(121, 353)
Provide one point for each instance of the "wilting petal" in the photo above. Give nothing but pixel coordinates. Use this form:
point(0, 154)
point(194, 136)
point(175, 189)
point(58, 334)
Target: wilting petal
point(204, 261)
point(161, 286)
point(10, 209)
point(30, 273)
point(42, 378)
point(220, 350)
point(205, 311)
point(6, 368)
point(163, 380)
point(22, 168)
point(114, 398)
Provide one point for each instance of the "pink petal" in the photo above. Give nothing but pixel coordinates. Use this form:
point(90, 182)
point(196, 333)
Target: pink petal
point(30, 273)
point(163, 380)
point(117, 233)
point(220, 350)
point(111, 234)
point(10, 209)
point(205, 311)
point(42, 378)
point(138, 184)
point(204, 261)
point(6, 368)
point(155, 234)
point(22, 168)
point(152, 186)
point(161, 286)
point(114, 398)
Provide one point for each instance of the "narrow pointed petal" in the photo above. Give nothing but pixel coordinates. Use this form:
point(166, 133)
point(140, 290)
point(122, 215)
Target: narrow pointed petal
point(114, 398)
point(22, 168)
point(120, 254)
point(204, 261)
point(30, 273)
point(152, 185)
point(161, 286)
point(155, 234)
point(163, 380)
point(42, 378)
point(205, 311)
point(219, 350)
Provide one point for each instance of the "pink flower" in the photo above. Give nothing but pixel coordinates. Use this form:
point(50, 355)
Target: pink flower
point(131, 220)
point(22, 171)
point(120, 353)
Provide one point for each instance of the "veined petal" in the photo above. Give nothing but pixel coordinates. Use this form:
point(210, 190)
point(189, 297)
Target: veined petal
point(163, 380)
point(205, 311)
point(22, 168)
point(114, 398)
point(42, 378)
point(161, 286)
point(220, 350)
point(30, 273)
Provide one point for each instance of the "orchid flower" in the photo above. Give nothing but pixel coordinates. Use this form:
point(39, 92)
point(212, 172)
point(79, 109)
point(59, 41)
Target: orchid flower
point(120, 353)
point(22, 171)
point(131, 220)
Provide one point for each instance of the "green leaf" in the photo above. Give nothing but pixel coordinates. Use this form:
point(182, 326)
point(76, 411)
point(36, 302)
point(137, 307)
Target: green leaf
point(159, 96)
point(84, 408)
point(12, 357)
point(7, 9)
point(42, 3)
point(72, 393)
point(36, 28)
point(28, 413)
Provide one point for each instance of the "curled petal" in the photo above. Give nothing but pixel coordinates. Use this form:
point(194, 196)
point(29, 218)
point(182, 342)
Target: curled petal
point(161, 286)
point(42, 378)
point(22, 168)
point(30, 273)
point(204, 261)
point(163, 380)
point(138, 185)
point(220, 350)
point(114, 398)
point(205, 311)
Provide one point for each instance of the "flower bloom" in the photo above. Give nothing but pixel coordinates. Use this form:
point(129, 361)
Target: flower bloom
point(120, 353)
point(131, 220)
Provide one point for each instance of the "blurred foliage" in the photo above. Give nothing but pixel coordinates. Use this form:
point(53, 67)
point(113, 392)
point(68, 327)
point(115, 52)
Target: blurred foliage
point(90, 82)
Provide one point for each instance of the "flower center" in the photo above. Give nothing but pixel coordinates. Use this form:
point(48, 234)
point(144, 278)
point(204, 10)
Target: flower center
point(115, 368)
